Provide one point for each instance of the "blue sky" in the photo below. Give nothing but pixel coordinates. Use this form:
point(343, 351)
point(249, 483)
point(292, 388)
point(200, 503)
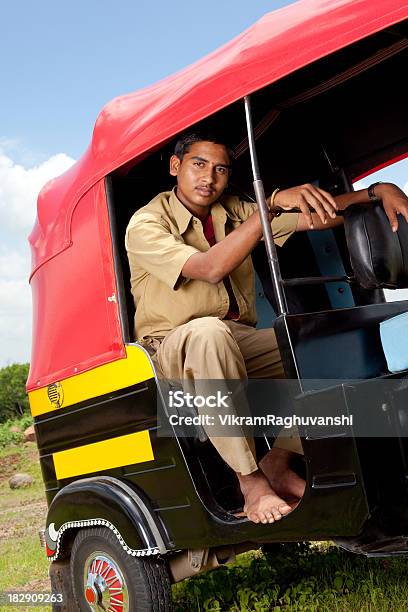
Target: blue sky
point(69, 58)
point(62, 61)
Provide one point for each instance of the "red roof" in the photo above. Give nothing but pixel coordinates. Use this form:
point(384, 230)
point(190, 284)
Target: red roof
point(278, 44)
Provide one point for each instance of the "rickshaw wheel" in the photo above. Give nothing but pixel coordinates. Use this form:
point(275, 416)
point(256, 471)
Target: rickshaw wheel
point(105, 577)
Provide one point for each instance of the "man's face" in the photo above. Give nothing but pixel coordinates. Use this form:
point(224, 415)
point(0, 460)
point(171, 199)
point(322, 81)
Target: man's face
point(202, 175)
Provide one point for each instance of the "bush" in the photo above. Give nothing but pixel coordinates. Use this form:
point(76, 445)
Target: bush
point(8, 436)
point(13, 397)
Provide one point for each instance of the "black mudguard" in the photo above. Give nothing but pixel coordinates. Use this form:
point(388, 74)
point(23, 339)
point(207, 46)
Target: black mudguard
point(109, 502)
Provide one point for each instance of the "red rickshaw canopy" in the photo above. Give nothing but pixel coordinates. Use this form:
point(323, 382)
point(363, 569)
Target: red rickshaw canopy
point(127, 127)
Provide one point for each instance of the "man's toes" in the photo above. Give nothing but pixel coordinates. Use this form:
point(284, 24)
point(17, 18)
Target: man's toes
point(284, 508)
point(269, 516)
point(262, 517)
point(276, 514)
point(253, 517)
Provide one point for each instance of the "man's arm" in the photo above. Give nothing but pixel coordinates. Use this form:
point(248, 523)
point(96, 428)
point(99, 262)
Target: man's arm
point(394, 201)
point(222, 258)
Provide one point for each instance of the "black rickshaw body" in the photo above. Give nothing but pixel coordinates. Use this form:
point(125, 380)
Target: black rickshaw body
point(94, 392)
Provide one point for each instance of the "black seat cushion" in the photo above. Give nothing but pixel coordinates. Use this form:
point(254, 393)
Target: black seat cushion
point(379, 256)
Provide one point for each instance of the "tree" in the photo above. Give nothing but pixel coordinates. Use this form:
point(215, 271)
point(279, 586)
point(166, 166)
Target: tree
point(13, 397)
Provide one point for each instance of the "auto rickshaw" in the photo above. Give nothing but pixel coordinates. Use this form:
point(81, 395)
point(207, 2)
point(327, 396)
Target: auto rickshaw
point(313, 92)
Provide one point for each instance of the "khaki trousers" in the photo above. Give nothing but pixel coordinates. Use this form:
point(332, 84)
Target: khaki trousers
point(208, 349)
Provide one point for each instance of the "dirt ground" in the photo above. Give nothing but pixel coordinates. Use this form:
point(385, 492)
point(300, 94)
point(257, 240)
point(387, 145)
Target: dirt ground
point(22, 515)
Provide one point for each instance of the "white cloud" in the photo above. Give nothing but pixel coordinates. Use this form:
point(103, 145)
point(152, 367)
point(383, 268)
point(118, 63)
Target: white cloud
point(13, 265)
point(20, 186)
point(15, 309)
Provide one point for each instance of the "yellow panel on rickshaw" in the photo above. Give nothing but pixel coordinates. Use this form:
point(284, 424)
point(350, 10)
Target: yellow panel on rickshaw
point(107, 454)
point(104, 379)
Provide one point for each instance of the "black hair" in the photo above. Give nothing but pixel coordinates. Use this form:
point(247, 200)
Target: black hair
point(185, 141)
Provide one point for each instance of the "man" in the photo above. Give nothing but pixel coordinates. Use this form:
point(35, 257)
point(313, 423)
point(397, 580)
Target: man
point(192, 281)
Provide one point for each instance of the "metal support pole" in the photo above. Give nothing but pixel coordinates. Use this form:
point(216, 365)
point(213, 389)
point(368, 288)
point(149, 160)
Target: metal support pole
point(264, 215)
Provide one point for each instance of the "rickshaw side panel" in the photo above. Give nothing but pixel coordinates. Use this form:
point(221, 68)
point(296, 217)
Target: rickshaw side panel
point(76, 319)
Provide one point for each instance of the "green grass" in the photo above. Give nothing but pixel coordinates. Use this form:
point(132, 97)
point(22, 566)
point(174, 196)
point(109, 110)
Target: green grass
point(22, 561)
point(299, 578)
point(22, 514)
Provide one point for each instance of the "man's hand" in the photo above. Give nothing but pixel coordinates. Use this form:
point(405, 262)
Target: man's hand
point(308, 198)
point(394, 202)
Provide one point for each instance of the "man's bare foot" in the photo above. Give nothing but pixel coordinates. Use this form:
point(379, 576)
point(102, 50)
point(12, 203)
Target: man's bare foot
point(276, 467)
point(262, 505)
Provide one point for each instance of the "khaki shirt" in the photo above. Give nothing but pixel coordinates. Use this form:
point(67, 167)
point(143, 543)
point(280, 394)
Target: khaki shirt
point(160, 237)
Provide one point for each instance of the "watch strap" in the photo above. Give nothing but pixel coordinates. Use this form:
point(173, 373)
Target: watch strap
point(371, 193)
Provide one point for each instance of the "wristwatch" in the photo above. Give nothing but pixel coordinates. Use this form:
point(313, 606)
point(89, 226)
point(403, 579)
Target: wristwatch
point(371, 193)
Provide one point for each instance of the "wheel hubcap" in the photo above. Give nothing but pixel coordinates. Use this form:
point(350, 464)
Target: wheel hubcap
point(104, 584)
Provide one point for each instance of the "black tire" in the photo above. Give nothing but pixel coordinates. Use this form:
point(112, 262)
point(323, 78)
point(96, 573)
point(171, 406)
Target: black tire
point(146, 579)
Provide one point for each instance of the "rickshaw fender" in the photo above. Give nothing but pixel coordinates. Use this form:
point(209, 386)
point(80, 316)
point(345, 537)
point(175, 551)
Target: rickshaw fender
point(103, 501)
